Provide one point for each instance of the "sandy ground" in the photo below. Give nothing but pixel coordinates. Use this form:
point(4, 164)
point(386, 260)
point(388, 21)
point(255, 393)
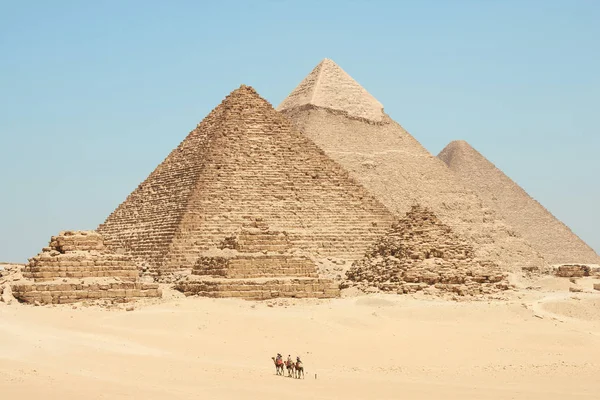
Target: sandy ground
point(541, 343)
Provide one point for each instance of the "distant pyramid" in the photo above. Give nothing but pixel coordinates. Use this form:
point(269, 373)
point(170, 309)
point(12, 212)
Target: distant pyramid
point(244, 160)
point(393, 166)
point(331, 87)
point(553, 239)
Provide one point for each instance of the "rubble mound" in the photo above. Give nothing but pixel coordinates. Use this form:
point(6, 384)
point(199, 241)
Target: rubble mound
point(421, 252)
point(256, 264)
point(77, 266)
point(9, 273)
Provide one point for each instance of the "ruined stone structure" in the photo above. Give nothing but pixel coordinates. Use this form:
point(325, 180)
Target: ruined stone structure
point(350, 126)
point(576, 271)
point(244, 160)
point(421, 252)
point(256, 264)
point(77, 266)
point(79, 254)
point(553, 239)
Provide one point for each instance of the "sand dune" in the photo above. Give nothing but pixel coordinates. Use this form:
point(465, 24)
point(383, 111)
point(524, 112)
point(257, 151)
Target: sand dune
point(539, 343)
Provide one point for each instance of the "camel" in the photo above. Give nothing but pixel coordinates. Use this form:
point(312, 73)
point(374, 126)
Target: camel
point(291, 368)
point(278, 366)
point(299, 369)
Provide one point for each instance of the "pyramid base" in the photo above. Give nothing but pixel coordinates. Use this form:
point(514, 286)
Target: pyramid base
point(59, 292)
point(259, 288)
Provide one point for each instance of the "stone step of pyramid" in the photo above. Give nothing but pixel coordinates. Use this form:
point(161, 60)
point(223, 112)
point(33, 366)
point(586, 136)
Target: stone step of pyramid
point(256, 266)
point(65, 293)
point(48, 273)
point(259, 289)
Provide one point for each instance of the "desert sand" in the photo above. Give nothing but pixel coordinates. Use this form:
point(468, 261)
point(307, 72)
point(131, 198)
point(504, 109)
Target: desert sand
point(540, 342)
point(471, 322)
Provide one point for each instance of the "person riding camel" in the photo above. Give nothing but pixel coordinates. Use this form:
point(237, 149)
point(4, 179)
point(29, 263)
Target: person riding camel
point(279, 359)
point(299, 368)
point(289, 360)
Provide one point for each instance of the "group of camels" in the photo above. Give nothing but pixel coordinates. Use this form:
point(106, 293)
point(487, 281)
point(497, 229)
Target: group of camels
point(294, 369)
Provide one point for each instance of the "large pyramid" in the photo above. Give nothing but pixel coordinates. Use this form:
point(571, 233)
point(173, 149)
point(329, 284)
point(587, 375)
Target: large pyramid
point(351, 127)
point(244, 160)
point(552, 238)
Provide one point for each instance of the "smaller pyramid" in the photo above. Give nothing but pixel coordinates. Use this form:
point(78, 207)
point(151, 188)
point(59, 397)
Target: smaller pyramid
point(421, 252)
point(256, 264)
point(77, 266)
point(329, 86)
point(549, 236)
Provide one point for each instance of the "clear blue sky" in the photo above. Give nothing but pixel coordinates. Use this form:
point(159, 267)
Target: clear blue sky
point(94, 95)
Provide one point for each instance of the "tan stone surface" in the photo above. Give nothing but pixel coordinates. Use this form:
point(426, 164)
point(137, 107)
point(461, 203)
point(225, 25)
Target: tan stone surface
point(393, 166)
point(255, 252)
point(553, 239)
point(256, 264)
point(259, 289)
point(244, 160)
point(330, 86)
point(577, 270)
point(76, 266)
point(421, 252)
point(79, 254)
point(58, 292)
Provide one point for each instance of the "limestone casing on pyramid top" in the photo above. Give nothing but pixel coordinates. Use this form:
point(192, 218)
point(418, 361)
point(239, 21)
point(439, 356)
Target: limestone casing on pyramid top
point(329, 86)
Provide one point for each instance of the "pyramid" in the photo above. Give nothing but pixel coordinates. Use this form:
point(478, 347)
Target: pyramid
point(420, 252)
point(77, 266)
point(395, 168)
point(256, 264)
point(553, 239)
point(244, 160)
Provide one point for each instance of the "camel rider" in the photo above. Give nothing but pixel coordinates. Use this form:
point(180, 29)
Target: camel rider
point(289, 360)
point(298, 360)
point(279, 359)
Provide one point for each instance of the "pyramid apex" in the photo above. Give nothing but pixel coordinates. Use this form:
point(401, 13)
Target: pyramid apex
point(329, 86)
point(245, 89)
point(459, 144)
point(247, 95)
point(456, 150)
